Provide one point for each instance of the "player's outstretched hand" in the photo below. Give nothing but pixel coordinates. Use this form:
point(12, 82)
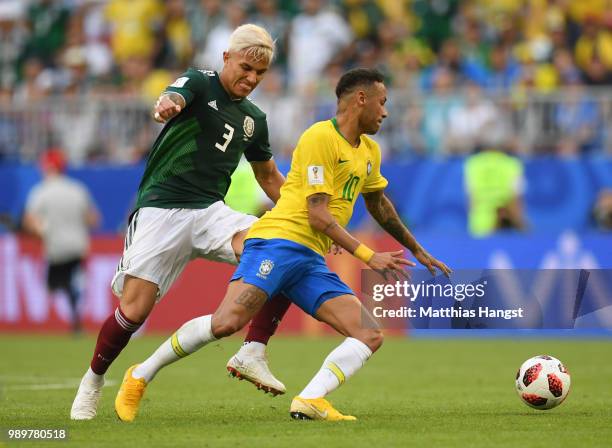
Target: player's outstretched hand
point(165, 109)
point(431, 263)
point(390, 263)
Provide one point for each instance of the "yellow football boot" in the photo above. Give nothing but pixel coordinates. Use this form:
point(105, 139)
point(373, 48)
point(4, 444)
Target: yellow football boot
point(316, 409)
point(129, 396)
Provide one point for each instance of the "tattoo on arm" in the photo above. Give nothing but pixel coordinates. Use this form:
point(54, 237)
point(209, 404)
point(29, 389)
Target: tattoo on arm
point(176, 98)
point(316, 199)
point(251, 298)
point(330, 226)
point(383, 211)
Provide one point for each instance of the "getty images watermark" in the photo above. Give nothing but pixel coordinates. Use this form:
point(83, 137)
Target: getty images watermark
point(493, 299)
point(458, 292)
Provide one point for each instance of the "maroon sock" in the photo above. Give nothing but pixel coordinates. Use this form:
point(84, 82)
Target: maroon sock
point(266, 321)
point(113, 337)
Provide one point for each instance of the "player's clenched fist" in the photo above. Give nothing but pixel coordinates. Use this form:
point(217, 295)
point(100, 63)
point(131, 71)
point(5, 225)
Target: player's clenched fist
point(167, 106)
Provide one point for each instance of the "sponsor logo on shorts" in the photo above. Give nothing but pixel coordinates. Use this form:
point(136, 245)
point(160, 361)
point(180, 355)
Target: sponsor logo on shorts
point(265, 268)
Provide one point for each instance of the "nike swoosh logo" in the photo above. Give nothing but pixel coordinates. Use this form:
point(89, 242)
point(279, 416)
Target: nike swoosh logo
point(239, 361)
point(342, 161)
point(323, 414)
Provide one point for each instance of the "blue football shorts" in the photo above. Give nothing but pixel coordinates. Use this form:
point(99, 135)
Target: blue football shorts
point(278, 265)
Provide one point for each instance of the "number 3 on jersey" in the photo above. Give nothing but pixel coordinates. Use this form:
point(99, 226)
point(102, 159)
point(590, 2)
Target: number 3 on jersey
point(227, 138)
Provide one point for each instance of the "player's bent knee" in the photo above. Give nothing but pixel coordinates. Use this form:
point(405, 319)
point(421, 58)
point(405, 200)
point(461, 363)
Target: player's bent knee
point(137, 309)
point(238, 243)
point(138, 299)
point(135, 312)
point(374, 339)
point(223, 326)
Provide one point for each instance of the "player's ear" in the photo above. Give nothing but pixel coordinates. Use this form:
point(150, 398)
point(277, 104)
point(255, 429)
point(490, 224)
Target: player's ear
point(361, 97)
point(226, 56)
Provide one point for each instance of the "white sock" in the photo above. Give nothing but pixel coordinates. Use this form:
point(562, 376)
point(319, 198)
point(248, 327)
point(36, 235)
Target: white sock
point(192, 336)
point(93, 377)
point(252, 348)
point(339, 366)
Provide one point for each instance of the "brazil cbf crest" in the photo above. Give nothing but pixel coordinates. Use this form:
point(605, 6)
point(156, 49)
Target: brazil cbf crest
point(265, 268)
point(248, 126)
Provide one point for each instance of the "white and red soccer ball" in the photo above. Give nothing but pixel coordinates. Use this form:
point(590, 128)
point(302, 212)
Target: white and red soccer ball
point(542, 382)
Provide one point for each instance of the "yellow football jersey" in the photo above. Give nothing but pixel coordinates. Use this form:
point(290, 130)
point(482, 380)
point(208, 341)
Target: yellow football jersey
point(323, 162)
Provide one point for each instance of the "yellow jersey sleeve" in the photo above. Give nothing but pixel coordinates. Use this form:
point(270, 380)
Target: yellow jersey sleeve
point(317, 159)
point(375, 180)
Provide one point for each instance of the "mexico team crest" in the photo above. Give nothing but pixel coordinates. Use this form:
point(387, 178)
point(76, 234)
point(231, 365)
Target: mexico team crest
point(265, 268)
point(248, 126)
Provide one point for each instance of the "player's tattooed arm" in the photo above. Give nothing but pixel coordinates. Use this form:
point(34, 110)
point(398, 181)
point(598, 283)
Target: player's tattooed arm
point(383, 211)
point(318, 214)
point(322, 220)
point(168, 105)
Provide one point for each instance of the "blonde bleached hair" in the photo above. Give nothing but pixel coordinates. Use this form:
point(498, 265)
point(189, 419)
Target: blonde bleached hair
point(255, 41)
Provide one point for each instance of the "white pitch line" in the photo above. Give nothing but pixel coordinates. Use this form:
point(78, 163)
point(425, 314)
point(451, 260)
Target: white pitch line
point(53, 386)
point(30, 378)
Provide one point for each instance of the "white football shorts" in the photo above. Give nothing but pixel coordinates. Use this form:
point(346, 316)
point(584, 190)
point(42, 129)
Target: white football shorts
point(160, 242)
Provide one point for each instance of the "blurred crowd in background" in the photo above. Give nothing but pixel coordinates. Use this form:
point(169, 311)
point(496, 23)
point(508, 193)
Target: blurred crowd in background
point(527, 76)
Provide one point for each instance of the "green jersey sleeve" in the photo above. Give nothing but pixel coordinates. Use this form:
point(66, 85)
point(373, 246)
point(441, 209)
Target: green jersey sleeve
point(190, 84)
point(259, 150)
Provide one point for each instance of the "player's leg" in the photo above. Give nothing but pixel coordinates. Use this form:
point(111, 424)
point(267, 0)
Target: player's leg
point(251, 360)
point(344, 314)
point(241, 302)
point(154, 255)
point(264, 324)
point(224, 241)
point(137, 302)
point(192, 336)
point(218, 234)
point(324, 296)
point(245, 296)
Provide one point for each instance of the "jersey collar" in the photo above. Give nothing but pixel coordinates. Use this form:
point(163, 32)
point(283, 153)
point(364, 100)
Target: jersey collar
point(335, 123)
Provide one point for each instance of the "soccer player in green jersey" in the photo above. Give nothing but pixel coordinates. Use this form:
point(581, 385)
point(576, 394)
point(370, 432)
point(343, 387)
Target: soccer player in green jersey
point(180, 214)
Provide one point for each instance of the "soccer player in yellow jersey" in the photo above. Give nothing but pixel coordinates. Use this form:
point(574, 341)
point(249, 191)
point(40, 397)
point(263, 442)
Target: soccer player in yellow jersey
point(333, 162)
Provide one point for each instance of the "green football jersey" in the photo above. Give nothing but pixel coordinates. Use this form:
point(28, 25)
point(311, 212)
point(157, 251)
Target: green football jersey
point(194, 156)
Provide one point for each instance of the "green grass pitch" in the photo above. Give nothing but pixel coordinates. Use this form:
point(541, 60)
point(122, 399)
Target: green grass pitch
point(438, 393)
